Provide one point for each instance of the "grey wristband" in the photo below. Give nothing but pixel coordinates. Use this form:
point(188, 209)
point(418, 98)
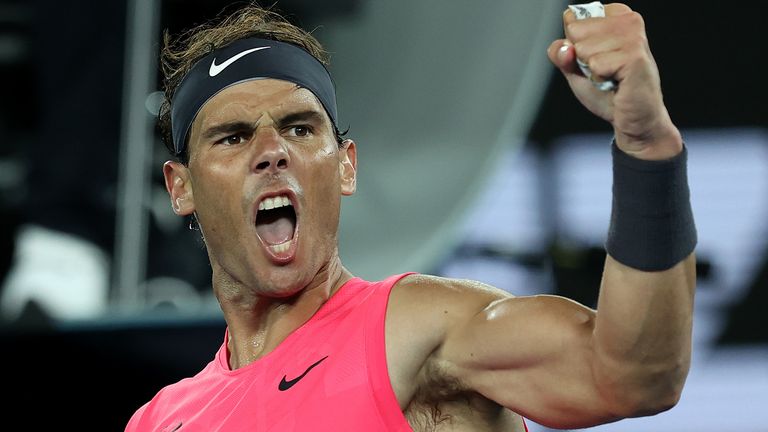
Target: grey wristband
point(652, 226)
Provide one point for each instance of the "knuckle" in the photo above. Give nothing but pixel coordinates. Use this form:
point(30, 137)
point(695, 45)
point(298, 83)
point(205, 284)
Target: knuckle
point(570, 28)
point(580, 49)
point(618, 7)
point(595, 64)
point(638, 45)
point(636, 20)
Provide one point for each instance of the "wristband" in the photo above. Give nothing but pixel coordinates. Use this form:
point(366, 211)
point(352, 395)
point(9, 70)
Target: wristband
point(652, 226)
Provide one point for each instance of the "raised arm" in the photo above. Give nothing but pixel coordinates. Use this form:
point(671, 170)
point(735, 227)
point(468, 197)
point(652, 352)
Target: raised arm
point(558, 362)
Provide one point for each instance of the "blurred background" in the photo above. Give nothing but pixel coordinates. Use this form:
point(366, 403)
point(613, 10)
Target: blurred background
point(475, 162)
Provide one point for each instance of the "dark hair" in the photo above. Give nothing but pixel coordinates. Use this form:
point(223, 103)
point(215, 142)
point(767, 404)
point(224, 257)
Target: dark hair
point(180, 54)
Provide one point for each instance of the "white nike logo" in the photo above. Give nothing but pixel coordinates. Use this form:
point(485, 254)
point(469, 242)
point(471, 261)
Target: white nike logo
point(216, 69)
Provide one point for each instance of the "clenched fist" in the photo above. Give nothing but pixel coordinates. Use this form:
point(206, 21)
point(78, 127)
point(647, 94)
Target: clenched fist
point(616, 47)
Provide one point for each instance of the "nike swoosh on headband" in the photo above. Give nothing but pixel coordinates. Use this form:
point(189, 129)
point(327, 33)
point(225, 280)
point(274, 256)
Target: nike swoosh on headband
point(216, 69)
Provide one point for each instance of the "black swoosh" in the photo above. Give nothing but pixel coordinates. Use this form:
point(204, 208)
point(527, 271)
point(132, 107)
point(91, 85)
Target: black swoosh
point(175, 428)
point(285, 385)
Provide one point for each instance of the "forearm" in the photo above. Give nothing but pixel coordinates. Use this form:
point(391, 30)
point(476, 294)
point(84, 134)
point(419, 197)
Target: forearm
point(642, 336)
point(643, 327)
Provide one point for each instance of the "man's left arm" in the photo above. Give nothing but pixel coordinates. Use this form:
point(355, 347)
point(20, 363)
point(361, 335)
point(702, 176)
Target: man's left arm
point(645, 307)
point(558, 362)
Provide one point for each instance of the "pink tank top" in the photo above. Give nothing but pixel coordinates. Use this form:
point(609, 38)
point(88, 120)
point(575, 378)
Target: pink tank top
point(328, 375)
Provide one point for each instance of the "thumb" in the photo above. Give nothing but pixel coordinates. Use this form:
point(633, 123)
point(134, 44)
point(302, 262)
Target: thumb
point(563, 55)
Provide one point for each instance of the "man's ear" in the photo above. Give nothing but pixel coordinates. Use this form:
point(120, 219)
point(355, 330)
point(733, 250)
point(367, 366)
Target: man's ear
point(348, 167)
point(179, 187)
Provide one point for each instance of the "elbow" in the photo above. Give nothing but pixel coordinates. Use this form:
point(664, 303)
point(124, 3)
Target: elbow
point(647, 392)
point(654, 401)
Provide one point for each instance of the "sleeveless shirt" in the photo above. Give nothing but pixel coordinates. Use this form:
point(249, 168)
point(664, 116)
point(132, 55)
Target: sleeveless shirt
point(328, 375)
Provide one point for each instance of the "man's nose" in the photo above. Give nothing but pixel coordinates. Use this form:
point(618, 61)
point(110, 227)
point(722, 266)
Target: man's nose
point(270, 152)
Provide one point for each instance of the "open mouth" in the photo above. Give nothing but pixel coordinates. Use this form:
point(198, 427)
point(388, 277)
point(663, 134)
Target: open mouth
point(276, 223)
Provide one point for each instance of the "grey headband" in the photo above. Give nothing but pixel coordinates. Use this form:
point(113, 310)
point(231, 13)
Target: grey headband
point(244, 60)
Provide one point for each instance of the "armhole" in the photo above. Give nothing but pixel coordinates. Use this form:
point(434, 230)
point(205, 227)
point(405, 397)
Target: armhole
point(375, 346)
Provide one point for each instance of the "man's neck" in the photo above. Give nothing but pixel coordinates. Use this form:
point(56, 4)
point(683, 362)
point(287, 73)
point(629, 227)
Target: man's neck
point(257, 324)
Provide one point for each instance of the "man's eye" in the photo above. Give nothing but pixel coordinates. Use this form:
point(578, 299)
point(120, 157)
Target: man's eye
point(231, 140)
point(299, 131)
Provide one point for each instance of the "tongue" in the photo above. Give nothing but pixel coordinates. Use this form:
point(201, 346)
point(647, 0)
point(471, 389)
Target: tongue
point(275, 228)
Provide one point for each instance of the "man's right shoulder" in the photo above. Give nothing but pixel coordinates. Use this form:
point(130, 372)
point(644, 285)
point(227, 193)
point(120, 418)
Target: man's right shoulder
point(422, 310)
point(441, 300)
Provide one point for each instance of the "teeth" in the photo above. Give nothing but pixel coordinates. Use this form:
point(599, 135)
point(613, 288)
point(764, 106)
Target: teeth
point(274, 202)
point(279, 248)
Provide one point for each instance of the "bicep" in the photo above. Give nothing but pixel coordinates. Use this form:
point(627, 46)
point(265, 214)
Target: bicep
point(532, 355)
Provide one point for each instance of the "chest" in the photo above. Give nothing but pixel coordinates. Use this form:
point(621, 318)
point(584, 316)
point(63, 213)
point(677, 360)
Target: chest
point(329, 377)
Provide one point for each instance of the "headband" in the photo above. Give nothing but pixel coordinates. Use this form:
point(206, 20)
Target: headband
point(245, 60)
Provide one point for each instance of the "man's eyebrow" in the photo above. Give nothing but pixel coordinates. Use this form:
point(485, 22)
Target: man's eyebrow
point(311, 115)
point(227, 128)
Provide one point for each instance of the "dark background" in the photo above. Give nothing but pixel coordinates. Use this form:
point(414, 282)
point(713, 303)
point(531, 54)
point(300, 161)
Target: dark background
point(713, 72)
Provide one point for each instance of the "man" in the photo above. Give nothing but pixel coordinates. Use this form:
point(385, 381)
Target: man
point(308, 346)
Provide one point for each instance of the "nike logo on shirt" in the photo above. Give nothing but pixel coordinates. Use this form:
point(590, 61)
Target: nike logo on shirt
point(285, 385)
point(174, 428)
point(218, 68)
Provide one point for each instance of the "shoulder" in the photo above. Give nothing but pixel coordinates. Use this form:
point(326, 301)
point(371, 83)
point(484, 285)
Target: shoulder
point(434, 316)
point(437, 307)
point(441, 299)
point(422, 310)
point(443, 334)
point(425, 309)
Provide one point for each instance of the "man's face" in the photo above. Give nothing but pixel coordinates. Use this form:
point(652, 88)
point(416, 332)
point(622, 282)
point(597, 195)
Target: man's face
point(265, 179)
